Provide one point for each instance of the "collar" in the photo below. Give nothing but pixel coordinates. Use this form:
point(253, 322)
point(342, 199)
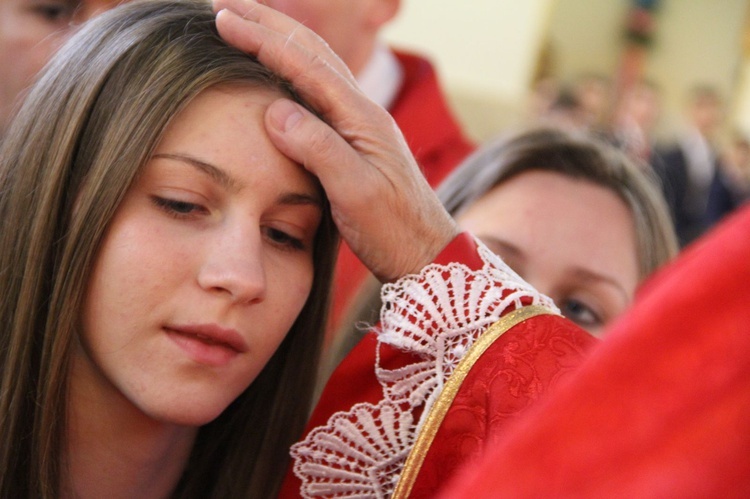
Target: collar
point(382, 76)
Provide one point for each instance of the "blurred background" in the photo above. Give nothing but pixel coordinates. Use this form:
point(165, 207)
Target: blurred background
point(498, 58)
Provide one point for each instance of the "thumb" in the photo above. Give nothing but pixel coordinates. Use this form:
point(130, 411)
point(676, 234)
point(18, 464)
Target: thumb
point(307, 140)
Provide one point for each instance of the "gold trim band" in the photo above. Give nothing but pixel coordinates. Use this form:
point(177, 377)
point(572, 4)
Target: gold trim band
point(416, 457)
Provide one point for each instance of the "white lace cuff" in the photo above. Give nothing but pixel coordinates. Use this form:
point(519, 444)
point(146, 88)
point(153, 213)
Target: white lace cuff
point(437, 316)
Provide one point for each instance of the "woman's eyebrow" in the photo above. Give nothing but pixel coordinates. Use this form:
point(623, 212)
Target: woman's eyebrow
point(216, 174)
point(591, 275)
point(498, 245)
point(229, 183)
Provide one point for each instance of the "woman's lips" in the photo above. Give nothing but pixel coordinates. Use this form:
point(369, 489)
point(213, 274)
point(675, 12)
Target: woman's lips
point(210, 345)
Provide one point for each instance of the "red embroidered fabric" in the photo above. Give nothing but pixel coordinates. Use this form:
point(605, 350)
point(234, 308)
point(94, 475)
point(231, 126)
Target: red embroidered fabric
point(661, 408)
point(520, 367)
point(373, 407)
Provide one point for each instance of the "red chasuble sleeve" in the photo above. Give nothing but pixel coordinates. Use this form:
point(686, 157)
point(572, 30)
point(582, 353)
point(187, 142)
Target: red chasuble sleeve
point(424, 398)
point(354, 379)
point(661, 408)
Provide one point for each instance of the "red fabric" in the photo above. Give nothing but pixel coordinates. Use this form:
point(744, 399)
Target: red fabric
point(661, 408)
point(354, 380)
point(437, 142)
point(519, 368)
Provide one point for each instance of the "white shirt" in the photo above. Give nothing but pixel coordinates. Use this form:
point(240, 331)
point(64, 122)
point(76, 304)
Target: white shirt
point(382, 76)
point(700, 158)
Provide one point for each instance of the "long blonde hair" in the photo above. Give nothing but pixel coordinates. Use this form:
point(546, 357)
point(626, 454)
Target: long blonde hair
point(69, 157)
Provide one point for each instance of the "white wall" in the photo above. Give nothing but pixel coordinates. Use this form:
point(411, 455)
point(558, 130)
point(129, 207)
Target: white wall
point(485, 50)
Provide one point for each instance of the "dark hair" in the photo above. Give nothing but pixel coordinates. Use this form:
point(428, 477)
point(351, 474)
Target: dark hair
point(71, 154)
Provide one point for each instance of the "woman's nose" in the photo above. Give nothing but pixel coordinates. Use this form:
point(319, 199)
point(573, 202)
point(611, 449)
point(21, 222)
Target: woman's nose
point(233, 265)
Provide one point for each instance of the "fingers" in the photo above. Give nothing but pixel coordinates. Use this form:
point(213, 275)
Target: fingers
point(350, 182)
point(376, 157)
point(379, 199)
point(276, 21)
point(294, 52)
point(304, 138)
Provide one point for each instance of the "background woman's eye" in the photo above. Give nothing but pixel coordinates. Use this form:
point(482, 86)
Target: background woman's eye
point(580, 313)
point(55, 12)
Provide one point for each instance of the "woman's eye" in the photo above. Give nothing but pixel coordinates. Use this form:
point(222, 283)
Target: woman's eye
point(284, 240)
point(177, 208)
point(580, 313)
point(55, 12)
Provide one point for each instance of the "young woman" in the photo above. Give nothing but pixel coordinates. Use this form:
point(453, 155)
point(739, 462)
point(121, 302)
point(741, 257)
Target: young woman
point(165, 258)
point(165, 269)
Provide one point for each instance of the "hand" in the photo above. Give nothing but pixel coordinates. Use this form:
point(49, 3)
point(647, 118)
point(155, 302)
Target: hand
point(381, 203)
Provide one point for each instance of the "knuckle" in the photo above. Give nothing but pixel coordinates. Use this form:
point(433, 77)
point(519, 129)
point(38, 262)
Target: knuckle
point(323, 143)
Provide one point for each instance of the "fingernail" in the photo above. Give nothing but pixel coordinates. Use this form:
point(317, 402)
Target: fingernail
point(284, 114)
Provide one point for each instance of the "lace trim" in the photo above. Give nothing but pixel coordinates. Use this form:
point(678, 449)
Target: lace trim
point(444, 402)
point(437, 316)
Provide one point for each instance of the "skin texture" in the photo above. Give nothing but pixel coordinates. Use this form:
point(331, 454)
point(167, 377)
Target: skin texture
point(30, 32)
point(350, 28)
point(571, 239)
point(358, 153)
point(226, 246)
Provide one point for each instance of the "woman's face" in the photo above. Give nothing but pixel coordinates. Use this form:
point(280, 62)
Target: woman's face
point(571, 239)
point(30, 33)
point(205, 265)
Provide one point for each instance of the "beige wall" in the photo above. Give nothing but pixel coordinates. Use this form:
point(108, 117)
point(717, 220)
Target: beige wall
point(696, 42)
point(700, 42)
point(485, 50)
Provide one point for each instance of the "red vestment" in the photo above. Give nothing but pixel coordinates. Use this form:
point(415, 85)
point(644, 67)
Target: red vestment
point(661, 408)
point(525, 361)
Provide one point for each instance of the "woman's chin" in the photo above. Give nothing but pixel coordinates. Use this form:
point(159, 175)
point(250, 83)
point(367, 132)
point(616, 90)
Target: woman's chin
point(193, 416)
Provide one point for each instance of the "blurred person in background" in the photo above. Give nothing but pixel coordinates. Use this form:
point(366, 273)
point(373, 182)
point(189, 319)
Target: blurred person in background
point(542, 95)
point(636, 119)
point(30, 32)
point(689, 168)
point(565, 112)
point(733, 175)
point(595, 95)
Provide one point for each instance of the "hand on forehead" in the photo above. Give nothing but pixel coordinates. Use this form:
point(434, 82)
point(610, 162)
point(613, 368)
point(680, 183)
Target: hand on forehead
point(358, 153)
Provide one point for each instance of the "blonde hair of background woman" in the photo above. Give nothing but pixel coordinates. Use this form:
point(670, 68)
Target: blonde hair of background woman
point(571, 154)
